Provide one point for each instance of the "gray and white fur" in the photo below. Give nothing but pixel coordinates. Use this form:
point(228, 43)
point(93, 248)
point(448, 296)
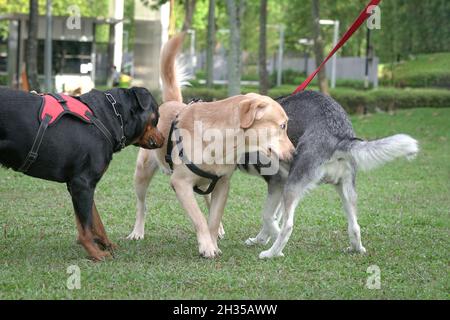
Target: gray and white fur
point(327, 151)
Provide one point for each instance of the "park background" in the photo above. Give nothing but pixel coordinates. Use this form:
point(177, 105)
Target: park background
point(393, 79)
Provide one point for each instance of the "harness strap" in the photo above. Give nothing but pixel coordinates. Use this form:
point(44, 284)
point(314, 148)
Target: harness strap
point(61, 100)
point(191, 166)
point(33, 154)
point(100, 126)
point(168, 156)
point(214, 178)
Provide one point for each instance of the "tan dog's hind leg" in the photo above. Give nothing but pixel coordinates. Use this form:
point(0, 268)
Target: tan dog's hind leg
point(218, 200)
point(146, 167)
point(208, 205)
point(185, 195)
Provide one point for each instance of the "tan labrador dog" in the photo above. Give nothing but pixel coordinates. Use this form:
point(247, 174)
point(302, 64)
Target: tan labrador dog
point(214, 136)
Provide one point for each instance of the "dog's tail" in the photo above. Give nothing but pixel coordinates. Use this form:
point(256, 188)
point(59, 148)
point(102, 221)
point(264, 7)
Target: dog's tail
point(173, 73)
point(371, 154)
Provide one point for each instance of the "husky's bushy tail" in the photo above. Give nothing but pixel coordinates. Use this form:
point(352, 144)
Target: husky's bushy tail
point(371, 154)
point(173, 73)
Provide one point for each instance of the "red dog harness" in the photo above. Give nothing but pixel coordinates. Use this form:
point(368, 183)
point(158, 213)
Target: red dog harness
point(57, 105)
point(53, 107)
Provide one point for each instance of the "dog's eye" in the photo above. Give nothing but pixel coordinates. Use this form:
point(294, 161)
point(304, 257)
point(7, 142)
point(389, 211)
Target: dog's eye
point(283, 126)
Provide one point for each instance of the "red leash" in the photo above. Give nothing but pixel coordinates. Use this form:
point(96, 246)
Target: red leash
point(356, 24)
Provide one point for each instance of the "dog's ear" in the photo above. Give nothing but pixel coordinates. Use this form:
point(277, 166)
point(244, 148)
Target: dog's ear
point(251, 110)
point(143, 97)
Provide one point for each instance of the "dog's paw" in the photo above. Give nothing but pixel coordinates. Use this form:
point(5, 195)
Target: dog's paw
point(360, 250)
point(101, 256)
point(209, 251)
point(112, 246)
point(106, 244)
point(254, 241)
point(251, 242)
point(268, 254)
point(136, 235)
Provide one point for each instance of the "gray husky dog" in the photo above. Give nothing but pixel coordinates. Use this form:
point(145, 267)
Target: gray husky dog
point(327, 151)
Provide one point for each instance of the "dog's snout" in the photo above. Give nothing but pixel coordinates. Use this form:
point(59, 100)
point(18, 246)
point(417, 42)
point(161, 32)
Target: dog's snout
point(154, 144)
point(287, 150)
point(159, 140)
point(156, 140)
point(152, 138)
point(151, 143)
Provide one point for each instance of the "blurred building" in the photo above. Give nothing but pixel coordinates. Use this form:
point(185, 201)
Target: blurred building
point(79, 56)
point(76, 55)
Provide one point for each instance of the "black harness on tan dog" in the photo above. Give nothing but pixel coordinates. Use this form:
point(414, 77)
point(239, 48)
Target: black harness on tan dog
point(191, 166)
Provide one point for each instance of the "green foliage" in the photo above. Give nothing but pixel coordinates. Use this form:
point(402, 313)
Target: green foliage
point(412, 27)
point(297, 17)
point(3, 80)
point(352, 100)
point(204, 93)
point(288, 76)
point(129, 26)
point(88, 8)
point(390, 98)
point(425, 70)
point(407, 27)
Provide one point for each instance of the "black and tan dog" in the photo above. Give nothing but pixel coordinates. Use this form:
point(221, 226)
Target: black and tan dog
point(36, 139)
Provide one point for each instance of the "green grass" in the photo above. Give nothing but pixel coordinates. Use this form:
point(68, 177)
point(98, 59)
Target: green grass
point(404, 215)
point(423, 70)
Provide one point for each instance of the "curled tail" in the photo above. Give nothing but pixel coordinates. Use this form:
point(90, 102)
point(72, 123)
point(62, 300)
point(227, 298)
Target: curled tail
point(173, 75)
point(371, 154)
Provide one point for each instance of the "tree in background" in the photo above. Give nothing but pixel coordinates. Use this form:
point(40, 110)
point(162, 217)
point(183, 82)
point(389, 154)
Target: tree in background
point(263, 75)
point(318, 46)
point(32, 47)
point(210, 43)
point(189, 9)
point(234, 55)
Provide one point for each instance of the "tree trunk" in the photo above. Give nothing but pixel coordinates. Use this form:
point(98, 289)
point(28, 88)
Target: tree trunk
point(318, 46)
point(234, 56)
point(210, 44)
point(263, 76)
point(189, 8)
point(32, 47)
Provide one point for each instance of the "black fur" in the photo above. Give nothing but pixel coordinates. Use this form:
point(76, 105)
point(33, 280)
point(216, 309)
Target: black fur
point(72, 151)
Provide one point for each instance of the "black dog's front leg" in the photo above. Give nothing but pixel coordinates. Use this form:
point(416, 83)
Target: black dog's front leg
point(82, 192)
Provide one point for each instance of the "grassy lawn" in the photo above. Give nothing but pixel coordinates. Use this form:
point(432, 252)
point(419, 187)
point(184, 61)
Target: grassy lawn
point(422, 70)
point(404, 216)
